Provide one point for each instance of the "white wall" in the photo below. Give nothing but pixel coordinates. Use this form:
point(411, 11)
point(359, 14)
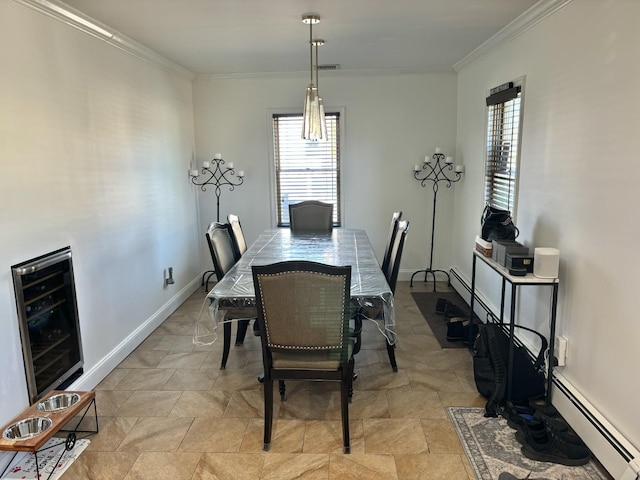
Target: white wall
point(578, 186)
point(94, 150)
point(390, 123)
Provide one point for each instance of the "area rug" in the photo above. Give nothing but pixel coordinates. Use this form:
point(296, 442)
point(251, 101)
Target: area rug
point(492, 448)
point(426, 302)
point(23, 465)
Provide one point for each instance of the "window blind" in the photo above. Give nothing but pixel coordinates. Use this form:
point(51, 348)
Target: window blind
point(503, 128)
point(306, 170)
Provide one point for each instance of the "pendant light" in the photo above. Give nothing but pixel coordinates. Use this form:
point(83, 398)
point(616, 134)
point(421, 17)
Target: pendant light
point(313, 126)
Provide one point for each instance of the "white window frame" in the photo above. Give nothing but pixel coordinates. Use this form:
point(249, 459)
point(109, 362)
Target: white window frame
point(272, 173)
point(514, 155)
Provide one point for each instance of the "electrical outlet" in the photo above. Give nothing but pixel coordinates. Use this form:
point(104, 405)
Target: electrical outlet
point(560, 348)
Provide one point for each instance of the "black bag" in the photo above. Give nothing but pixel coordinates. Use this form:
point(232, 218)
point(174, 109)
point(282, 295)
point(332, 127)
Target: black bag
point(490, 361)
point(497, 225)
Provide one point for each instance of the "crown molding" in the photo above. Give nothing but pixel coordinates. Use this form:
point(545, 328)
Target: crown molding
point(74, 18)
point(537, 13)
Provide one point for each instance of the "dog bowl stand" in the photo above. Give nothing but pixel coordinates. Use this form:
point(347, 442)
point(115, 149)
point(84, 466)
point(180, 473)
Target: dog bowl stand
point(59, 419)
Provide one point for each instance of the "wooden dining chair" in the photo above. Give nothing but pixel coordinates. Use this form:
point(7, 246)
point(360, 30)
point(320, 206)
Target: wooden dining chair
point(224, 257)
point(303, 316)
point(311, 216)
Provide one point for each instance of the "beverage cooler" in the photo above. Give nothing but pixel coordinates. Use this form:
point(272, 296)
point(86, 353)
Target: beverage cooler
point(48, 322)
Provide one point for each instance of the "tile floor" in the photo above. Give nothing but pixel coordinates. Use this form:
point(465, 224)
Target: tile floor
point(169, 412)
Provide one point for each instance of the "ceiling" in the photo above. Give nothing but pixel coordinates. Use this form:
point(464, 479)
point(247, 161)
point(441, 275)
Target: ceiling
point(259, 36)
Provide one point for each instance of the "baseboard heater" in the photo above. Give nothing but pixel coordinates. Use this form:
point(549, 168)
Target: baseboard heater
point(618, 456)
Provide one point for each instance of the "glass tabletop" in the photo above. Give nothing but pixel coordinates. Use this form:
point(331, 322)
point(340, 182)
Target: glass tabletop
point(340, 247)
point(369, 286)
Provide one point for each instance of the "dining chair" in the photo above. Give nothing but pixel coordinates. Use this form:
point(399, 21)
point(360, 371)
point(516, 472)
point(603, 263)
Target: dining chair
point(224, 257)
point(375, 310)
point(391, 274)
point(303, 316)
point(357, 317)
point(395, 218)
point(311, 216)
point(237, 235)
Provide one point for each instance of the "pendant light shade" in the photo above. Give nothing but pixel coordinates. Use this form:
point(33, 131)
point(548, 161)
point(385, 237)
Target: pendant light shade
point(313, 126)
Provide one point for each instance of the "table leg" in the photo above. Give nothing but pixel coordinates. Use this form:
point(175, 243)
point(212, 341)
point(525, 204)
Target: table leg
point(512, 327)
point(226, 346)
point(392, 356)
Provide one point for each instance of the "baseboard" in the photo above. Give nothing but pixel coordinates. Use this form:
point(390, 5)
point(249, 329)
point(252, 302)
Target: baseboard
point(616, 454)
point(92, 377)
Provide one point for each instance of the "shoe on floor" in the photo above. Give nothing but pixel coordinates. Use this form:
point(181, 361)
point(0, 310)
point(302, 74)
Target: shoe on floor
point(542, 444)
point(456, 330)
point(452, 310)
point(441, 305)
point(256, 329)
point(540, 425)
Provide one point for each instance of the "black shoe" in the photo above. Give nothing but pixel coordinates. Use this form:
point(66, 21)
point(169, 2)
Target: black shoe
point(469, 334)
point(256, 329)
point(547, 410)
point(541, 444)
point(516, 420)
point(441, 305)
point(557, 426)
point(452, 311)
point(456, 329)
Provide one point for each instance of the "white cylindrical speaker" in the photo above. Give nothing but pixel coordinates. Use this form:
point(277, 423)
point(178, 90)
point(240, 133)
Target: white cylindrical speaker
point(546, 262)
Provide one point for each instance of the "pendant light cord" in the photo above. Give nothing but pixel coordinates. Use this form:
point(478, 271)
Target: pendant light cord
point(311, 51)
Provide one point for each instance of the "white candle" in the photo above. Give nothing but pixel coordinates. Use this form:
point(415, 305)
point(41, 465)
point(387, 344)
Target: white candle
point(438, 150)
point(241, 173)
point(460, 168)
point(205, 164)
point(427, 159)
point(449, 160)
point(230, 164)
point(416, 168)
point(193, 173)
point(218, 156)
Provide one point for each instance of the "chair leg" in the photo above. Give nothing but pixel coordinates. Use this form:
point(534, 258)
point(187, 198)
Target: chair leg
point(242, 331)
point(283, 395)
point(344, 405)
point(357, 332)
point(351, 377)
point(226, 346)
point(206, 282)
point(268, 413)
point(392, 356)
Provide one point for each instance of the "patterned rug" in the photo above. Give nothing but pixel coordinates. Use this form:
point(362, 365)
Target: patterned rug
point(492, 448)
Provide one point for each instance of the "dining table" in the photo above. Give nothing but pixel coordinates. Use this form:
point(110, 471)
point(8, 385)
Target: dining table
point(340, 247)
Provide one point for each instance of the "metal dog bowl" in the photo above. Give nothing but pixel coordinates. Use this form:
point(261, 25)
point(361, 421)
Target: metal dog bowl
point(27, 428)
point(57, 403)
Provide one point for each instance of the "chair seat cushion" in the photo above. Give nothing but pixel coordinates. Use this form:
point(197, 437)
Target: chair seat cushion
point(309, 360)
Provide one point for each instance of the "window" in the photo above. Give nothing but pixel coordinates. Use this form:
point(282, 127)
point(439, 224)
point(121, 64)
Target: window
point(305, 170)
point(503, 152)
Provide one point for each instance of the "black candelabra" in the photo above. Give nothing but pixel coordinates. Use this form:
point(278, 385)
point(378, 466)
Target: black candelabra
point(215, 174)
point(436, 169)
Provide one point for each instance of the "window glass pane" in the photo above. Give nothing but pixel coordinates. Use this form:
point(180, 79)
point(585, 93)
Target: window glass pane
point(503, 128)
point(305, 170)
